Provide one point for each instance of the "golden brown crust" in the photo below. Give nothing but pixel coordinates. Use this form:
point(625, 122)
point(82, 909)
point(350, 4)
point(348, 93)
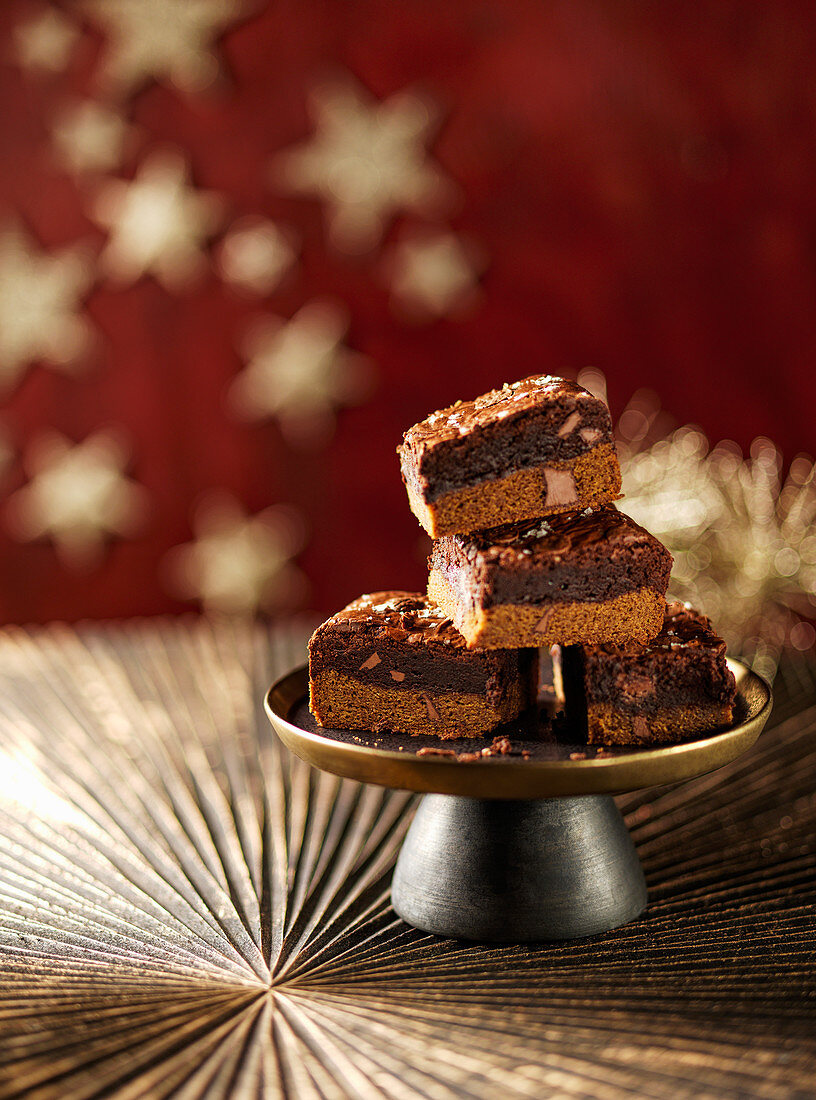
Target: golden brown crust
point(519, 495)
point(634, 615)
point(341, 702)
point(608, 726)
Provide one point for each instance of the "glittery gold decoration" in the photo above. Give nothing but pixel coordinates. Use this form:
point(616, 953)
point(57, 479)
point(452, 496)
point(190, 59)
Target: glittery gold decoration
point(158, 223)
point(78, 496)
point(186, 910)
point(40, 305)
point(367, 160)
point(239, 564)
point(743, 537)
point(299, 370)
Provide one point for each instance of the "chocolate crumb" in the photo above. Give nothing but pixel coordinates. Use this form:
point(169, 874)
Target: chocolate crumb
point(428, 750)
point(577, 756)
point(398, 676)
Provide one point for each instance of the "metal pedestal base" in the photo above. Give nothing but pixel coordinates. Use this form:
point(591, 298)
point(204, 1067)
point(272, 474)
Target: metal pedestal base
point(548, 869)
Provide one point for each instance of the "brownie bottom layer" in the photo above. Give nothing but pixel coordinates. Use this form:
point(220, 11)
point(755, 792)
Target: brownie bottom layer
point(634, 615)
point(592, 478)
point(341, 702)
point(608, 726)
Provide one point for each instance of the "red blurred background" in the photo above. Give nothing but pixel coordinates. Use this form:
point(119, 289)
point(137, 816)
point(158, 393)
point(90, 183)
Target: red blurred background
point(633, 185)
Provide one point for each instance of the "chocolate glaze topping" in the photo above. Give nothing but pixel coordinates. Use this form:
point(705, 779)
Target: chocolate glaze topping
point(538, 420)
point(532, 542)
point(403, 616)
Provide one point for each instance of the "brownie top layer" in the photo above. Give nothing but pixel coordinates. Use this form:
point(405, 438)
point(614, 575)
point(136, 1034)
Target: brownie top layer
point(397, 616)
point(593, 555)
point(539, 419)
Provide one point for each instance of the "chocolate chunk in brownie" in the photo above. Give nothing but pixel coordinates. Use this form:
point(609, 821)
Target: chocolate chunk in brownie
point(676, 687)
point(393, 660)
point(591, 576)
point(535, 447)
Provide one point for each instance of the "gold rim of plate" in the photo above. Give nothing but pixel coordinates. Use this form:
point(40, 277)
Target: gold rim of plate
point(513, 777)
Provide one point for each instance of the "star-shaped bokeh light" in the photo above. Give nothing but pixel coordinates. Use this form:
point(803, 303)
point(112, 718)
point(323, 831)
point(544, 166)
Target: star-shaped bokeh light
point(40, 299)
point(46, 41)
point(298, 371)
point(239, 564)
point(367, 161)
point(89, 137)
point(165, 40)
point(159, 224)
point(255, 254)
point(78, 495)
point(434, 274)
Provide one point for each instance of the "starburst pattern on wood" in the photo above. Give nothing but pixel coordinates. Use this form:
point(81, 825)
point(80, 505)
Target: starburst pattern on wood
point(187, 910)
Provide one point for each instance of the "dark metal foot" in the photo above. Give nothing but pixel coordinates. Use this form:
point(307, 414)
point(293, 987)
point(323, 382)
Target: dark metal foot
point(550, 869)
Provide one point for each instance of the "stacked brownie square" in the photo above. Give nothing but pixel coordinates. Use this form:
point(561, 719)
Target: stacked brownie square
point(517, 489)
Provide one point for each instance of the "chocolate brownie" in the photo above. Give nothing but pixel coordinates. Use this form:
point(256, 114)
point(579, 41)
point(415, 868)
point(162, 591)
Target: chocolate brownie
point(535, 447)
point(392, 660)
point(676, 687)
point(591, 576)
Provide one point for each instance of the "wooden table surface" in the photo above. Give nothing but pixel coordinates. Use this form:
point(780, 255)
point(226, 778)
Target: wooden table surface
point(186, 910)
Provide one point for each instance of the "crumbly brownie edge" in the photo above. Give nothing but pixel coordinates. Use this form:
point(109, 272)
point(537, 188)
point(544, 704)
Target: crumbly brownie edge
point(592, 479)
point(653, 681)
point(632, 616)
point(341, 702)
point(606, 725)
point(377, 660)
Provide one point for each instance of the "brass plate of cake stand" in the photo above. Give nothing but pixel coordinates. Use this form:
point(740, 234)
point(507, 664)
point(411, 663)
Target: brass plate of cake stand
point(515, 847)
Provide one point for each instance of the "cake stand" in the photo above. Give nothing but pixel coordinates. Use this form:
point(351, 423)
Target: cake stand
point(517, 847)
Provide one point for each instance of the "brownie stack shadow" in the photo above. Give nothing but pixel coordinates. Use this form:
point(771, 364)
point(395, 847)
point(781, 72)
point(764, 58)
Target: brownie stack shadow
point(517, 490)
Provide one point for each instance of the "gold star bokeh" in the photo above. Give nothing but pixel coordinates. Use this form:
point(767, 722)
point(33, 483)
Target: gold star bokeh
point(40, 305)
point(434, 273)
point(165, 40)
point(367, 161)
point(45, 42)
point(89, 137)
point(78, 495)
point(255, 255)
point(298, 371)
point(238, 564)
point(159, 224)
